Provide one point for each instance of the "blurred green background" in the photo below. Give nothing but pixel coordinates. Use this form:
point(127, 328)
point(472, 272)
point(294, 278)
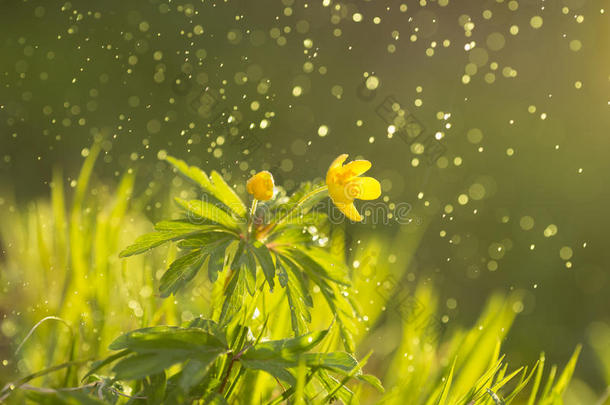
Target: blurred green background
point(517, 92)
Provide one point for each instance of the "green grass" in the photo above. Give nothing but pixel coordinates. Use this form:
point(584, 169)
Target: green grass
point(62, 272)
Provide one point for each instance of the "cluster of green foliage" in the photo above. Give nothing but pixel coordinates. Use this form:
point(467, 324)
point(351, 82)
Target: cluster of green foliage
point(219, 235)
point(273, 292)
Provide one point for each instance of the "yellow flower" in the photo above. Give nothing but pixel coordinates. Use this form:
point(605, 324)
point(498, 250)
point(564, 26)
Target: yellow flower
point(344, 185)
point(261, 186)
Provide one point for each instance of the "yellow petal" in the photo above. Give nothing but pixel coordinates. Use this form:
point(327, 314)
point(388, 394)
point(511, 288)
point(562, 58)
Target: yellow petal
point(357, 167)
point(350, 211)
point(364, 188)
point(339, 194)
point(336, 164)
point(261, 186)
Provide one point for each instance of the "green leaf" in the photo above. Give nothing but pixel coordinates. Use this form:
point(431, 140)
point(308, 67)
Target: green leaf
point(319, 263)
point(234, 293)
point(336, 361)
point(227, 195)
point(373, 381)
point(217, 257)
point(215, 399)
point(344, 313)
point(337, 301)
point(232, 253)
point(64, 398)
point(139, 366)
point(295, 197)
point(181, 271)
point(154, 239)
point(277, 356)
point(193, 373)
point(266, 262)
point(101, 363)
point(211, 328)
point(199, 241)
point(247, 268)
point(556, 393)
point(192, 172)
point(497, 400)
point(154, 388)
point(277, 369)
point(537, 380)
point(183, 227)
point(157, 348)
point(278, 349)
point(213, 185)
point(297, 294)
point(208, 211)
point(442, 399)
point(331, 384)
point(157, 338)
point(525, 379)
point(354, 371)
point(482, 382)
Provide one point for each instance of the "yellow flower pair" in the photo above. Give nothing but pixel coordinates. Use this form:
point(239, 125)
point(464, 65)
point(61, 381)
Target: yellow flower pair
point(343, 182)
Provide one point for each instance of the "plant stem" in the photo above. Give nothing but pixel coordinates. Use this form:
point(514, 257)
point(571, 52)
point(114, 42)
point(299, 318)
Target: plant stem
point(288, 393)
point(251, 219)
point(234, 383)
point(226, 377)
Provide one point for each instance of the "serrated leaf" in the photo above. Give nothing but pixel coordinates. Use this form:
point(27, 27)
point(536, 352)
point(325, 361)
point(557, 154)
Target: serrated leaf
point(320, 263)
point(277, 369)
point(373, 381)
point(213, 185)
point(248, 270)
point(227, 195)
point(210, 327)
point(139, 366)
point(208, 211)
point(265, 261)
point(336, 361)
point(330, 383)
point(298, 296)
point(344, 313)
point(234, 297)
point(199, 241)
point(297, 195)
point(284, 348)
point(231, 253)
point(166, 338)
point(183, 227)
point(337, 302)
point(192, 172)
point(217, 258)
point(181, 271)
point(154, 239)
point(159, 347)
